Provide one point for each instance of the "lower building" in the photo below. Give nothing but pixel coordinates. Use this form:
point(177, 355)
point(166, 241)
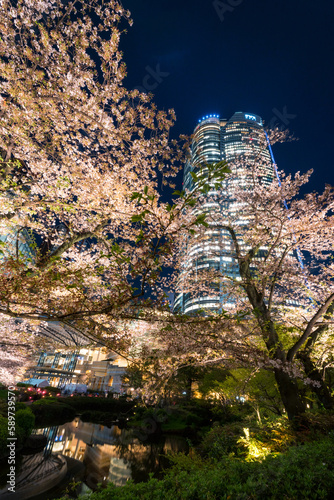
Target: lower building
point(97, 368)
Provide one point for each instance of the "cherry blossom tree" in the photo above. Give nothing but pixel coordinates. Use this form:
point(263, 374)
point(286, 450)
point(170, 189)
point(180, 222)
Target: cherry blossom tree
point(85, 235)
point(83, 164)
point(279, 309)
point(281, 305)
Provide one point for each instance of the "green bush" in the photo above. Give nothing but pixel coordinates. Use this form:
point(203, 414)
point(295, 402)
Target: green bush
point(81, 403)
point(21, 406)
point(304, 472)
point(95, 416)
point(4, 394)
point(231, 413)
point(26, 420)
point(24, 423)
point(221, 441)
point(51, 412)
point(3, 436)
point(3, 407)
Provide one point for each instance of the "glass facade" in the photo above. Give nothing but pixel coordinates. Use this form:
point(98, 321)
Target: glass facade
point(241, 142)
point(19, 243)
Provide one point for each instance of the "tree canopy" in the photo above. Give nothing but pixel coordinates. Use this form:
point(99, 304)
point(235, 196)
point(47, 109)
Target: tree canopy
point(87, 235)
point(280, 305)
point(88, 238)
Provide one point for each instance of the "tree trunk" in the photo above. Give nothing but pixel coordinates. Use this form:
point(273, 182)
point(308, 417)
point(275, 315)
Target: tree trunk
point(320, 389)
point(290, 395)
point(188, 385)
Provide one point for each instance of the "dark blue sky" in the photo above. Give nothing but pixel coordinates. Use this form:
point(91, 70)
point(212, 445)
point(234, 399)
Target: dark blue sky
point(269, 57)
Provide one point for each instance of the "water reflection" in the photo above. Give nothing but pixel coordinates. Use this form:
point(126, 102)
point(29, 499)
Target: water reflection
point(92, 454)
point(111, 454)
point(36, 474)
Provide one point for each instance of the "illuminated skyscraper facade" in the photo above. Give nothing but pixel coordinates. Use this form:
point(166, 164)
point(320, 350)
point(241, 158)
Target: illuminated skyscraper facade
point(241, 142)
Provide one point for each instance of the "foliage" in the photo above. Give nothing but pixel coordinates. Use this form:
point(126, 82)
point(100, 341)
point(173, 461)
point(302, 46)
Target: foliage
point(25, 419)
point(250, 439)
point(82, 159)
point(81, 403)
point(86, 236)
point(232, 412)
point(258, 387)
point(211, 385)
point(3, 436)
point(98, 417)
point(172, 419)
point(3, 394)
point(279, 319)
point(51, 412)
point(303, 472)
point(24, 423)
point(53, 390)
point(224, 440)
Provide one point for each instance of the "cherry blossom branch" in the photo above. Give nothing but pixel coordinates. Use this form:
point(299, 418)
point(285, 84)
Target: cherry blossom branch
point(308, 331)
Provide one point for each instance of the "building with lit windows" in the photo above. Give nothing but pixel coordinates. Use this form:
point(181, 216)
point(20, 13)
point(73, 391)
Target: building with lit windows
point(18, 243)
point(80, 360)
point(241, 142)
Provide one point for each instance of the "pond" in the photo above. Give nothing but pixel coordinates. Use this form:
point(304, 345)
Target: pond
point(93, 454)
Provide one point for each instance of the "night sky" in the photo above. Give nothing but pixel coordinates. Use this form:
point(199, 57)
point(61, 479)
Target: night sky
point(273, 58)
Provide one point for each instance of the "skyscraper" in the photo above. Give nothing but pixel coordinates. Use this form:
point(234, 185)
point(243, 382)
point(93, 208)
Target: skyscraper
point(241, 142)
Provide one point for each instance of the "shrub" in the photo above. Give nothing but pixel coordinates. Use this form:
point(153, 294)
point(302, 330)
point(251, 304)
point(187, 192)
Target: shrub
point(3, 407)
point(231, 413)
point(95, 416)
point(304, 472)
point(26, 420)
point(51, 412)
point(81, 403)
point(24, 423)
point(221, 441)
point(3, 394)
point(3, 436)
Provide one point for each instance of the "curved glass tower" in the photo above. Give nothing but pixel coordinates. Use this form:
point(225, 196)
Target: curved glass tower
point(241, 142)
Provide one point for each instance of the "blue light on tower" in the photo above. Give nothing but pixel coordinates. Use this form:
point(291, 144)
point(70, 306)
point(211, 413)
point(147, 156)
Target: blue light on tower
point(207, 117)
